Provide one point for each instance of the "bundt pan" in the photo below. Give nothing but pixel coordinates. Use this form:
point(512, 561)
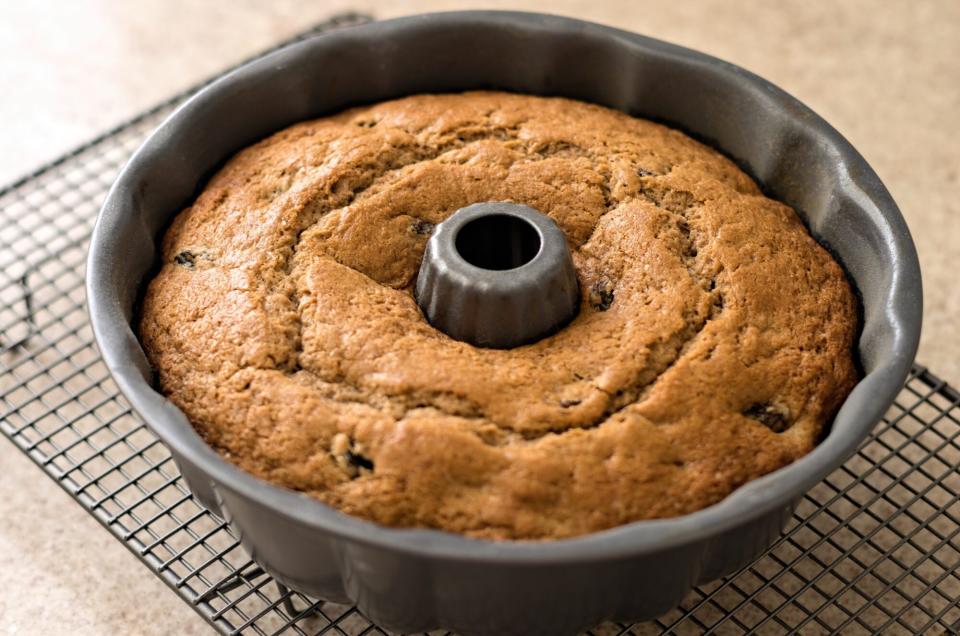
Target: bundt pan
point(413, 580)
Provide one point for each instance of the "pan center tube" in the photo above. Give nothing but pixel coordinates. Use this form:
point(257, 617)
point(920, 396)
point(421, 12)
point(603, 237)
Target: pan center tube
point(497, 275)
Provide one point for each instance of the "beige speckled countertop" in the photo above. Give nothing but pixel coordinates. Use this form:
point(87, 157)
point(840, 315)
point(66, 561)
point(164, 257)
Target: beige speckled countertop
point(887, 75)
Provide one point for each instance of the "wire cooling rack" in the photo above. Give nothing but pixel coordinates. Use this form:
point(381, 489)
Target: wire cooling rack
point(873, 549)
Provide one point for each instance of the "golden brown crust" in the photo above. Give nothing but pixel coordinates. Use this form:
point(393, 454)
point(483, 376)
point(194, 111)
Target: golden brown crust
point(282, 321)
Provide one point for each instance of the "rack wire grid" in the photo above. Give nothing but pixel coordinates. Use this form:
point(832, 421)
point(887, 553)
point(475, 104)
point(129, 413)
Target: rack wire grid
point(873, 549)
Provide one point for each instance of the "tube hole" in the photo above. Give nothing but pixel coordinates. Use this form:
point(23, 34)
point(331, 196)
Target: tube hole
point(498, 242)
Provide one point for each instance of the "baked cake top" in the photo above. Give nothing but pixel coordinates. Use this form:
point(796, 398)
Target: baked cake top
point(713, 343)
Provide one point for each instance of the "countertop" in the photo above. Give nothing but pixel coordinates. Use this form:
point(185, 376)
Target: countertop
point(886, 75)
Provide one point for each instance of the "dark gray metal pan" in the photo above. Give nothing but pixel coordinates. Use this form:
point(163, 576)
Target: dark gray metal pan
point(412, 580)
